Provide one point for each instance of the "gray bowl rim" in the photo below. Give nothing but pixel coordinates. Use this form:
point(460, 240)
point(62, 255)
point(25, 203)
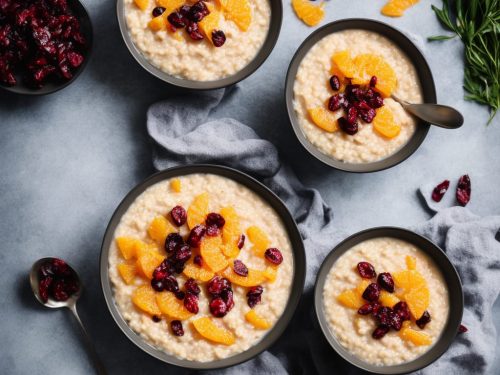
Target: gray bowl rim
point(408, 47)
point(450, 275)
point(293, 233)
point(83, 16)
point(250, 68)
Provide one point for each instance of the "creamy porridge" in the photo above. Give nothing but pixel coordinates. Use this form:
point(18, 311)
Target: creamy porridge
point(178, 54)
point(343, 296)
point(151, 314)
point(311, 90)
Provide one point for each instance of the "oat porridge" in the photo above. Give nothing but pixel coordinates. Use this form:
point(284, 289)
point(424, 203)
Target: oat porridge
point(198, 40)
point(389, 318)
point(201, 267)
point(342, 96)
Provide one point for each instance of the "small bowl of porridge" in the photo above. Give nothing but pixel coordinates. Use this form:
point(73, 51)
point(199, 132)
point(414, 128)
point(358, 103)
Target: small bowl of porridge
point(388, 300)
point(339, 91)
point(198, 44)
point(202, 266)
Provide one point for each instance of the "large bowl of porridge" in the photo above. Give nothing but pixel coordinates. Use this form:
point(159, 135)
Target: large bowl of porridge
point(202, 266)
point(388, 300)
point(216, 44)
point(338, 94)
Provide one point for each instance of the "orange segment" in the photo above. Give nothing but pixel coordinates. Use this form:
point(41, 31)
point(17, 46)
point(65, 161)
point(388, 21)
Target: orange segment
point(388, 299)
point(147, 263)
point(196, 272)
point(414, 291)
point(127, 272)
point(270, 273)
point(360, 288)
point(238, 11)
point(256, 320)
point(171, 306)
point(344, 63)
point(368, 65)
point(308, 12)
point(418, 338)
point(158, 23)
point(198, 210)
point(411, 262)
point(323, 119)
point(160, 228)
point(255, 277)
point(211, 251)
point(231, 231)
point(211, 331)
point(144, 297)
point(350, 299)
point(396, 8)
point(170, 5)
point(142, 4)
point(175, 185)
point(259, 239)
point(127, 246)
point(210, 22)
point(384, 123)
point(230, 251)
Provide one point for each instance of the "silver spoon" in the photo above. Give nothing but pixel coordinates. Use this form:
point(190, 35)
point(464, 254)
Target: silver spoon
point(436, 114)
point(70, 303)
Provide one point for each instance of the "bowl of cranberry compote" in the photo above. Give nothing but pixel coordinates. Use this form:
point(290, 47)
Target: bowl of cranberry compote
point(388, 300)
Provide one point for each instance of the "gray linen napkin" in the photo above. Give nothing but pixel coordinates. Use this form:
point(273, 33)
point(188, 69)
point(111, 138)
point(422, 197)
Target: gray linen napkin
point(182, 135)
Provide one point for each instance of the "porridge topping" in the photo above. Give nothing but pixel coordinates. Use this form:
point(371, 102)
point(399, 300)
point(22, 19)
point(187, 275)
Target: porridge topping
point(200, 19)
point(395, 301)
point(361, 84)
point(208, 255)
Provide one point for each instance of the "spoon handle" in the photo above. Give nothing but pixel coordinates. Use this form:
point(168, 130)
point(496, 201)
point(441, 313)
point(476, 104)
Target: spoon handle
point(99, 366)
point(439, 115)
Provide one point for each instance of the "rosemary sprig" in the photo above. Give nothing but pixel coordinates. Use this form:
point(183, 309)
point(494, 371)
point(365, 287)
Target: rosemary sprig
point(477, 24)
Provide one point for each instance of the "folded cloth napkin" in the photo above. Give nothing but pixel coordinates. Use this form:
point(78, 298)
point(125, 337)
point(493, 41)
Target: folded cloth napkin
point(183, 135)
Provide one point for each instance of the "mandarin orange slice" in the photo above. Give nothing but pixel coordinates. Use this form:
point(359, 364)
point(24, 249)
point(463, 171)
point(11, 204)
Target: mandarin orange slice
point(384, 123)
point(259, 238)
point(238, 11)
point(160, 228)
point(270, 273)
point(211, 251)
point(323, 119)
point(388, 299)
point(231, 231)
point(310, 13)
point(254, 277)
point(414, 291)
point(411, 262)
point(213, 332)
point(171, 306)
point(360, 288)
point(396, 8)
point(170, 5)
point(344, 63)
point(127, 272)
point(176, 185)
point(127, 246)
point(418, 338)
point(196, 272)
point(198, 210)
point(210, 22)
point(147, 262)
point(144, 297)
point(230, 251)
point(351, 299)
point(369, 65)
point(158, 23)
point(142, 4)
point(256, 320)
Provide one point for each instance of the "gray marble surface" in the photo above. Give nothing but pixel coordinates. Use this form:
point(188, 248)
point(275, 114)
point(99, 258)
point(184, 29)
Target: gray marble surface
point(66, 161)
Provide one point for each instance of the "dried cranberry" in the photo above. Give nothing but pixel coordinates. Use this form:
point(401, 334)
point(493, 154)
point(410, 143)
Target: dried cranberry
point(179, 215)
point(384, 315)
point(366, 309)
point(377, 101)
point(176, 327)
point(346, 127)
point(353, 93)
point(218, 38)
point(373, 81)
point(191, 303)
point(274, 256)
point(158, 11)
point(43, 288)
point(241, 241)
point(60, 267)
point(335, 83)
point(218, 307)
point(376, 308)
point(182, 253)
point(170, 284)
point(424, 319)
point(372, 292)
point(172, 241)
point(366, 270)
point(180, 295)
point(158, 285)
point(184, 10)
point(217, 285)
point(227, 297)
point(368, 115)
point(239, 268)
point(386, 281)
point(58, 291)
point(156, 318)
point(440, 190)
point(462, 329)
point(45, 270)
point(71, 285)
point(396, 321)
point(401, 308)
point(194, 31)
point(254, 295)
point(215, 219)
point(160, 273)
point(196, 235)
point(352, 115)
point(198, 260)
point(191, 286)
point(213, 230)
point(334, 103)
point(198, 11)
point(176, 20)
point(463, 190)
point(380, 332)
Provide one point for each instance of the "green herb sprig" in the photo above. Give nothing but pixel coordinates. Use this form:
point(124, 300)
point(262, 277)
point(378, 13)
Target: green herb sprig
point(477, 24)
